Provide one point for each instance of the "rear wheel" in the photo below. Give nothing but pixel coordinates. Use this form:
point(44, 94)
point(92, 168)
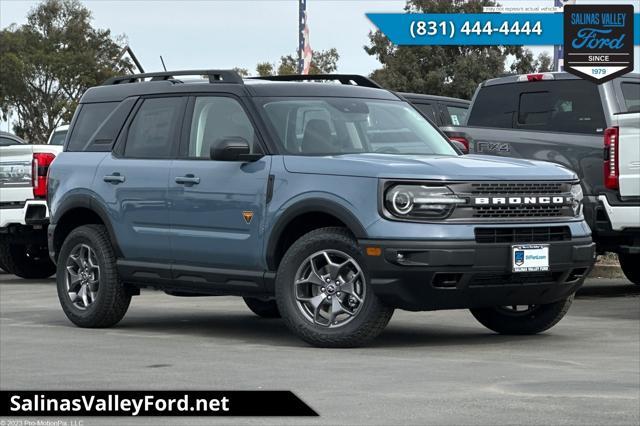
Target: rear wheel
point(323, 291)
point(89, 289)
point(630, 266)
point(523, 319)
point(263, 308)
point(29, 261)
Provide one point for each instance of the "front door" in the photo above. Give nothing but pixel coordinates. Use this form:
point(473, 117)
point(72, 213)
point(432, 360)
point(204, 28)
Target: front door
point(217, 207)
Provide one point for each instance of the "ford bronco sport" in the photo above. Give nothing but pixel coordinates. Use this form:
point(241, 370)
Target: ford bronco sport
point(328, 204)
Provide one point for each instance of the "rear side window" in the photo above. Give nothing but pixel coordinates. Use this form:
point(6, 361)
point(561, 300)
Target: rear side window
point(58, 138)
point(631, 94)
point(153, 131)
point(457, 115)
point(566, 106)
point(90, 117)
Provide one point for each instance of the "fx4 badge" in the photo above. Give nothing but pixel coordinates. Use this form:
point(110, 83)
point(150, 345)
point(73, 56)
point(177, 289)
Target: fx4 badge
point(247, 215)
point(493, 147)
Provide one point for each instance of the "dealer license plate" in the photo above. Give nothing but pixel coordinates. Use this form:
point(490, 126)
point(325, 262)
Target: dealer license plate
point(530, 258)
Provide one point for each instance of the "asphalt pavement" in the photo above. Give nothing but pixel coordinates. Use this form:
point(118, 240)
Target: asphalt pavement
point(426, 368)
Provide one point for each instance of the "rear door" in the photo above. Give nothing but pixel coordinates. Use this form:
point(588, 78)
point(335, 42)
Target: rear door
point(133, 179)
point(217, 207)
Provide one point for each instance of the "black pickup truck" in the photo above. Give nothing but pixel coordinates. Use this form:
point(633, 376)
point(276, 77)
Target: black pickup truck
point(564, 119)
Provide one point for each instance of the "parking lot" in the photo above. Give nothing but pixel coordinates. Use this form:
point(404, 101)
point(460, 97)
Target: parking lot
point(438, 367)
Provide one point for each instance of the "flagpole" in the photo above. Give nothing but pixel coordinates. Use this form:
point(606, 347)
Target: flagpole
point(302, 23)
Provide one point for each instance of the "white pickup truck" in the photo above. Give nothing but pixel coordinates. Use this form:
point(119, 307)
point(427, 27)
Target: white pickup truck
point(622, 173)
point(24, 215)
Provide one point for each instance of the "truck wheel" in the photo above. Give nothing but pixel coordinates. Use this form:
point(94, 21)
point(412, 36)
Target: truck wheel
point(89, 289)
point(630, 267)
point(24, 261)
point(263, 308)
point(523, 319)
point(323, 291)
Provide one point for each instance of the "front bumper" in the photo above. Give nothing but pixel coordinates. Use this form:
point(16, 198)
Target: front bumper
point(434, 275)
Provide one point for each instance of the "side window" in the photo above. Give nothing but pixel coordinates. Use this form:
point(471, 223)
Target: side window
point(90, 117)
point(631, 94)
point(7, 141)
point(428, 110)
point(153, 133)
point(457, 115)
point(215, 118)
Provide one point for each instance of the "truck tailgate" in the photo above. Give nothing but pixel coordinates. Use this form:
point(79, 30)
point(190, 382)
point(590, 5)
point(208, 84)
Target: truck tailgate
point(15, 174)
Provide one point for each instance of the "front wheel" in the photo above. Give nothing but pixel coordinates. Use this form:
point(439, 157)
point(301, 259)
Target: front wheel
point(630, 266)
point(323, 291)
point(523, 319)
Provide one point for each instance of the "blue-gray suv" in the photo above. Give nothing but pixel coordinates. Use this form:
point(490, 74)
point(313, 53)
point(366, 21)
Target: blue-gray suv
point(328, 202)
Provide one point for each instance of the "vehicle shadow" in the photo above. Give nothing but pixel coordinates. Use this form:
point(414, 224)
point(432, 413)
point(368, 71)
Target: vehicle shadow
point(608, 290)
point(238, 327)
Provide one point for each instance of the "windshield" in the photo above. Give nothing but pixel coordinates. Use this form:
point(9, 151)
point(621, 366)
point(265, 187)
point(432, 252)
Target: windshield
point(333, 126)
point(58, 138)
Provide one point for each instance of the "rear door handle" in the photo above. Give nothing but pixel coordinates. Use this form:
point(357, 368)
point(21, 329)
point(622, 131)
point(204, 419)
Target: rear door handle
point(188, 180)
point(115, 178)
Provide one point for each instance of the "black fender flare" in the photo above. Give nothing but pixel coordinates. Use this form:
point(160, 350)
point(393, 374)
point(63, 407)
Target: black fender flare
point(86, 201)
point(311, 205)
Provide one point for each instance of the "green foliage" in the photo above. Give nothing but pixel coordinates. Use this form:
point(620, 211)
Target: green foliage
point(242, 72)
point(527, 64)
point(439, 70)
point(47, 63)
point(322, 62)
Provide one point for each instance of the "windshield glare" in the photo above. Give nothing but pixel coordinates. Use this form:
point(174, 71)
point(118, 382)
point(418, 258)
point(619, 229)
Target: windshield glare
point(333, 126)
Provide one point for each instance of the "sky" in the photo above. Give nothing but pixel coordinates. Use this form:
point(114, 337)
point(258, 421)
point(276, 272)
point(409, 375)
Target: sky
point(237, 33)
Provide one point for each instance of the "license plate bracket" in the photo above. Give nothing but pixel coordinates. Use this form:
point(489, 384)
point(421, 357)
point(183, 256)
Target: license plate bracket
point(530, 258)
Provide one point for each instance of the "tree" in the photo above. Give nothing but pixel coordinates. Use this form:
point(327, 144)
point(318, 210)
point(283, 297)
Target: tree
point(242, 72)
point(526, 63)
point(322, 62)
point(49, 62)
point(440, 70)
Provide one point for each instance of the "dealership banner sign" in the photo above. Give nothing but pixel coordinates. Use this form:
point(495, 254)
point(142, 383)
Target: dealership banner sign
point(487, 28)
point(598, 41)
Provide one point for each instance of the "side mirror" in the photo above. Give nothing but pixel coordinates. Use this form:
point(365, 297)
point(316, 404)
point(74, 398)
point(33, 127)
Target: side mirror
point(232, 148)
point(461, 146)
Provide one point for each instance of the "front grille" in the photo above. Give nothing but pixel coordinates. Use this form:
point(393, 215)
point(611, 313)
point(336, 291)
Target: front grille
point(518, 188)
point(541, 234)
point(480, 280)
point(524, 210)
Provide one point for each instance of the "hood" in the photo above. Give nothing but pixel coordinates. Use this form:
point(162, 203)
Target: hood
point(455, 168)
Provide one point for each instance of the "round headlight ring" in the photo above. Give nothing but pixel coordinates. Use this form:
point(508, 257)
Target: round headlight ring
point(402, 202)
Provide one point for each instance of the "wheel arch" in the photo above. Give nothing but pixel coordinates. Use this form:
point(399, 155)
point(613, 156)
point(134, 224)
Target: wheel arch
point(304, 216)
point(76, 211)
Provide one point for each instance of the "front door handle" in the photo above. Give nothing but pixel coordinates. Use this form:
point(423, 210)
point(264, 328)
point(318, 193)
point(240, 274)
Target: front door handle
point(115, 178)
point(188, 180)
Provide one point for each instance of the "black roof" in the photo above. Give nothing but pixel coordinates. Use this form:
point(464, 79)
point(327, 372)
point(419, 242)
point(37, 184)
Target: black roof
point(227, 81)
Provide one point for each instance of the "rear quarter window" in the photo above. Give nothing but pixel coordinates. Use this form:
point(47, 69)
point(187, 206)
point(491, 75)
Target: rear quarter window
point(90, 118)
point(631, 95)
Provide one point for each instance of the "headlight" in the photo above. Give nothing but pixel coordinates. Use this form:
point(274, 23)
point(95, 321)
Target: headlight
point(577, 195)
point(420, 201)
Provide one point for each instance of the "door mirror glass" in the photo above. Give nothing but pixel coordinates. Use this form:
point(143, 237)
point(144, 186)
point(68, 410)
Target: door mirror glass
point(231, 148)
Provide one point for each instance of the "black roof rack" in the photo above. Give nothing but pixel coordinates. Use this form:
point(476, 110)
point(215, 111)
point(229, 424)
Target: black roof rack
point(359, 80)
point(215, 76)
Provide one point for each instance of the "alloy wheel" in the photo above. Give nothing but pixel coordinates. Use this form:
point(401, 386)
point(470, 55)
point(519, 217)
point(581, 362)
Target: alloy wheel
point(82, 276)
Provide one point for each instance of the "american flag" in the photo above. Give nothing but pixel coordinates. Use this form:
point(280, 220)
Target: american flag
point(304, 48)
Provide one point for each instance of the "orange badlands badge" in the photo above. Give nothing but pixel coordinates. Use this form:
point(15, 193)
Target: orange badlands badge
point(247, 215)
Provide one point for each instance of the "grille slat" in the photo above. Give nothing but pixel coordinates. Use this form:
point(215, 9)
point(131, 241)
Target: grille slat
point(479, 280)
point(519, 188)
point(538, 234)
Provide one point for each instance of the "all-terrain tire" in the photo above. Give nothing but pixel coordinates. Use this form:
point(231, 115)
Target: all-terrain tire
point(17, 259)
point(112, 300)
point(537, 320)
point(371, 317)
point(263, 308)
point(630, 264)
